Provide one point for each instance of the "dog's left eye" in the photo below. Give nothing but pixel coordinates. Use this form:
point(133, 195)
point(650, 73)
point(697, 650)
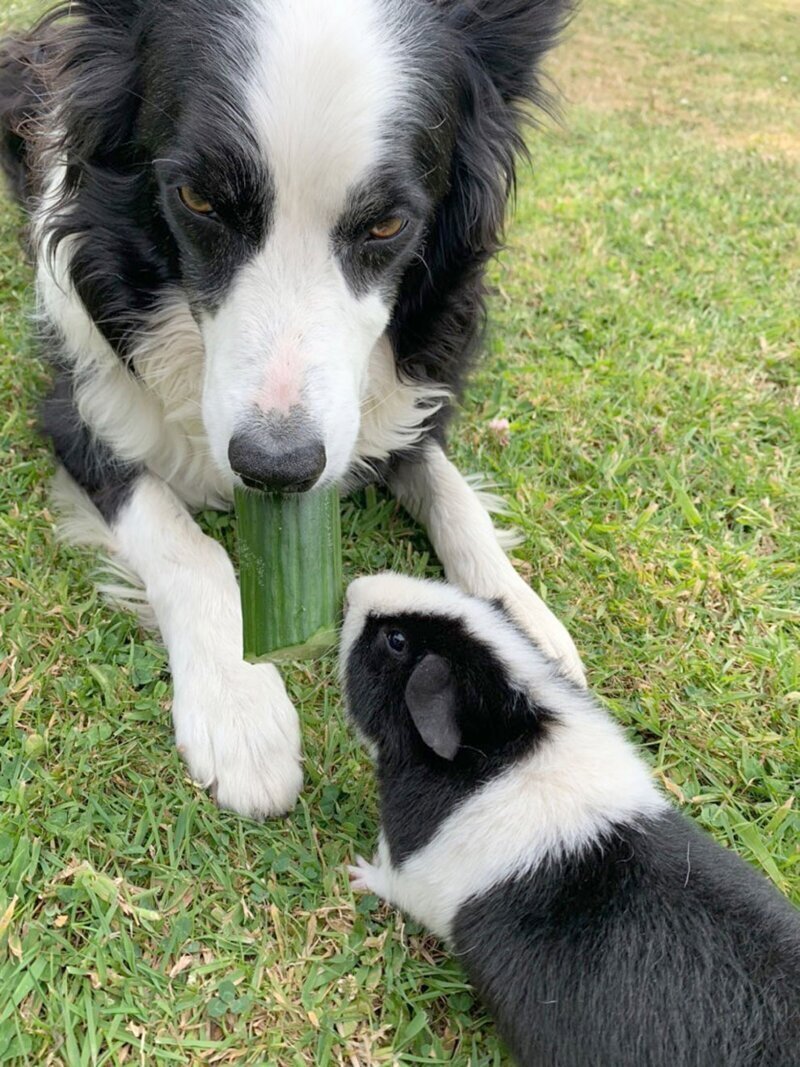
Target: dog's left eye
point(387, 229)
point(195, 203)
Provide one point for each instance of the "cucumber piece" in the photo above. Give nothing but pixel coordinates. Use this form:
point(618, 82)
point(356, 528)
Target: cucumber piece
point(290, 571)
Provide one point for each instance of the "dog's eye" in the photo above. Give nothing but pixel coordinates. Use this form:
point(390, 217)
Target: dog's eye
point(196, 203)
point(397, 642)
point(387, 229)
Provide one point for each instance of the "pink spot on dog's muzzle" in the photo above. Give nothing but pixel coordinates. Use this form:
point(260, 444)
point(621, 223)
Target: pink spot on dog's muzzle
point(282, 388)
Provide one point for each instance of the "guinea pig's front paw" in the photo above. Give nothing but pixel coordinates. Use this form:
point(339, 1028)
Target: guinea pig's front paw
point(367, 877)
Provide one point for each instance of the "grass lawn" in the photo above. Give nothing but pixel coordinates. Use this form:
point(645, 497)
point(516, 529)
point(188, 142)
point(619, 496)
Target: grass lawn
point(645, 349)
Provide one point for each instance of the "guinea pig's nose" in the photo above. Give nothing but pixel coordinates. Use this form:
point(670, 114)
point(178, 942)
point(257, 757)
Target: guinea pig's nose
point(282, 453)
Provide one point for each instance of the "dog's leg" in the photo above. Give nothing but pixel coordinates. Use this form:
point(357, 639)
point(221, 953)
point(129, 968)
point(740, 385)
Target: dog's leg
point(464, 539)
point(234, 723)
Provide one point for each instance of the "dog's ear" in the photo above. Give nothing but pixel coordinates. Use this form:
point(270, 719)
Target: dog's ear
point(438, 322)
point(432, 700)
point(97, 80)
point(509, 38)
point(503, 42)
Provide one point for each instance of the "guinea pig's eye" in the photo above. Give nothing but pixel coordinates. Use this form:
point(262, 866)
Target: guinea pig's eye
point(397, 642)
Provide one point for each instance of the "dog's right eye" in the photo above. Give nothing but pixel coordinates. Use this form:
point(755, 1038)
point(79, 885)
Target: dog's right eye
point(195, 203)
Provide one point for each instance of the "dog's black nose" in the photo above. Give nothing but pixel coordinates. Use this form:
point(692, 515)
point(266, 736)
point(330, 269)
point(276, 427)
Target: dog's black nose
point(283, 455)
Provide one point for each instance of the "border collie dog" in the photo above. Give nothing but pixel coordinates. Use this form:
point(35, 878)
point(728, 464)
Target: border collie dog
point(260, 229)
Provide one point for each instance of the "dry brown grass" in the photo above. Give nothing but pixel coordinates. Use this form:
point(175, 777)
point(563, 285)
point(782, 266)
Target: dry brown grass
point(614, 61)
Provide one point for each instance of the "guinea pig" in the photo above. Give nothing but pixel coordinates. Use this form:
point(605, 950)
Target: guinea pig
point(600, 926)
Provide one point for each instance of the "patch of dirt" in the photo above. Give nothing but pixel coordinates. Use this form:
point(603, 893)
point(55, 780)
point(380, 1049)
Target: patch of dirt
point(597, 72)
point(594, 71)
point(771, 144)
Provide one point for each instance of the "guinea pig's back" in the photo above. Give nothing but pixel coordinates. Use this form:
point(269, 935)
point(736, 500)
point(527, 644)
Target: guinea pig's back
point(655, 946)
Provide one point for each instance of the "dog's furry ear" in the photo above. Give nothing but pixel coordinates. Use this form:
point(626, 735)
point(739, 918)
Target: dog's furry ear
point(504, 42)
point(21, 91)
point(78, 59)
point(439, 318)
point(96, 73)
point(509, 38)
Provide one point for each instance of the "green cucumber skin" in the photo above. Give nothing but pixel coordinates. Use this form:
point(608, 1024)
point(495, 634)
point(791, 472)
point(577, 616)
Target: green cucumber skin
point(290, 572)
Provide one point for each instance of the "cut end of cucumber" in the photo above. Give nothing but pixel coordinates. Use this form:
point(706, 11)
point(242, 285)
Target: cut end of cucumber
point(290, 561)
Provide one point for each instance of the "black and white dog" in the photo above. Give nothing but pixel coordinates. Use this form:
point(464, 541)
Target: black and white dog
point(260, 230)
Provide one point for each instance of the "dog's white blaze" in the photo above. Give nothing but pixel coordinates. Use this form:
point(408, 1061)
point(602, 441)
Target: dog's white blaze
point(327, 81)
point(281, 388)
point(295, 303)
point(584, 777)
point(321, 93)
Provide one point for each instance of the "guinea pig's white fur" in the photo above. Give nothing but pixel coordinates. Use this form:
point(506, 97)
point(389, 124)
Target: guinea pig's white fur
point(552, 803)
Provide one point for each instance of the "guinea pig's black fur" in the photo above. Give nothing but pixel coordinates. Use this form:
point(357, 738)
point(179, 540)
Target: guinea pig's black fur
point(653, 947)
point(600, 926)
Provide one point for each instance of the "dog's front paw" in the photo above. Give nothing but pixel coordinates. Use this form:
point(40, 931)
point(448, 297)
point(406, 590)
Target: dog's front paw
point(367, 877)
point(533, 615)
point(239, 735)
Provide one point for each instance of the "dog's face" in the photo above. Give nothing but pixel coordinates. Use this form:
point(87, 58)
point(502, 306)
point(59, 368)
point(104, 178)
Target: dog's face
point(323, 180)
point(298, 183)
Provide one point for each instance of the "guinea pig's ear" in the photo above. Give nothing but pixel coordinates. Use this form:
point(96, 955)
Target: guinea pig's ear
point(431, 697)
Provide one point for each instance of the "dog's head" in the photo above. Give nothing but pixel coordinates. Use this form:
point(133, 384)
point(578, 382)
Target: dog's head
point(323, 180)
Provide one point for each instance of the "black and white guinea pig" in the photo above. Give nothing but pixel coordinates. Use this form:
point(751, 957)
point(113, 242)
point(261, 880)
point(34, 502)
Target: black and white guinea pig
point(600, 926)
